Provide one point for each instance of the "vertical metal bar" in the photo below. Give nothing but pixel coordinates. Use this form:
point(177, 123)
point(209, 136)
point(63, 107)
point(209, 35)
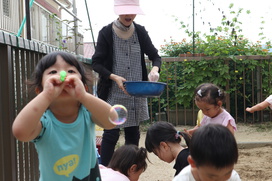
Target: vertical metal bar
point(25, 18)
point(3, 172)
point(227, 88)
point(259, 99)
point(244, 93)
point(75, 27)
point(8, 156)
point(235, 96)
point(25, 58)
point(167, 90)
point(28, 25)
point(90, 22)
point(31, 57)
point(19, 106)
point(150, 105)
point(269, 84)
point(176, 93)
point(159, 111)
point(193, 27)
point(261, 92)
point(252, 92)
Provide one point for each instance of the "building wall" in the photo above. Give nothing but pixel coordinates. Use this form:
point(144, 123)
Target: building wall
point(88, 49)
point(9, 17)
point(46, 24)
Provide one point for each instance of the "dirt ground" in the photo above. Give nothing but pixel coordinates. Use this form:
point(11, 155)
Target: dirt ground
point(254, 164)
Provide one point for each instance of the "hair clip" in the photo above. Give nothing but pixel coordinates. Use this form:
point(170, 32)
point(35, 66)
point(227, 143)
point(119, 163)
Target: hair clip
point(199, 92)
point(177, 134)
point(219, 92)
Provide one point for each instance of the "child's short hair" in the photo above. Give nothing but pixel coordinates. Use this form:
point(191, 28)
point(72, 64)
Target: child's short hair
point(127, 155)
point(214, 145)
point(49, 60)
point(209, 93)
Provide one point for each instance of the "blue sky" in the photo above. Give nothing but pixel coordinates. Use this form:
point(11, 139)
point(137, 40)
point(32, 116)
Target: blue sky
point(159, 18)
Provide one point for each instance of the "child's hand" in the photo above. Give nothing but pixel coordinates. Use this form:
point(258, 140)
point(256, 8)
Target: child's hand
point(191, 131)
point(188, 131)
point(53, 87)
point(248, 109)
point(74, 87)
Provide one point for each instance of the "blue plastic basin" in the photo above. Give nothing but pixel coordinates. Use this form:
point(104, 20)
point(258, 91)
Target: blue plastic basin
point(144, 88)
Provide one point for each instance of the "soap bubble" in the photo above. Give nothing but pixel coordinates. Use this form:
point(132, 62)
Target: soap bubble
point(118, 114)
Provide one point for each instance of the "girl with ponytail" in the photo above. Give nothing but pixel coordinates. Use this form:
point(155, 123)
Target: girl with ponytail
point(165, 141)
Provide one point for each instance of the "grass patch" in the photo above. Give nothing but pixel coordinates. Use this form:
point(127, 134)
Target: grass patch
point(145, 125)
point(259, 127)
point(263, 127)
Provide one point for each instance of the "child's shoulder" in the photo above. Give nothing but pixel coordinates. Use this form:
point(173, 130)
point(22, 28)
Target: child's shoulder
point(225, 113)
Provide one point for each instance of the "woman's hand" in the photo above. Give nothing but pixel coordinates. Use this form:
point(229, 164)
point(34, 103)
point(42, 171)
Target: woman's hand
point(154, 76)
point(119, 81)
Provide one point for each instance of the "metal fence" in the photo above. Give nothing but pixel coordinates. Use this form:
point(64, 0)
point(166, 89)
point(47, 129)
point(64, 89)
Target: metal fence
point(18, 160)
point(247, 87)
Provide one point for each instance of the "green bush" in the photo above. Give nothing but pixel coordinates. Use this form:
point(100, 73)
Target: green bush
point(223, 44)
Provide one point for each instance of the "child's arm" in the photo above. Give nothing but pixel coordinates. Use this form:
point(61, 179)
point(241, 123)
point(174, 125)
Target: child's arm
point(27, 124)
point(230, 127)
point(99, 109)
point(198, 121)
point(258, 107)
point(191, 131)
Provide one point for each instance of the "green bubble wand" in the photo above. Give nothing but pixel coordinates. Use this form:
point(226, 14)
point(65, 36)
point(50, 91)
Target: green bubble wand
point(62, 76)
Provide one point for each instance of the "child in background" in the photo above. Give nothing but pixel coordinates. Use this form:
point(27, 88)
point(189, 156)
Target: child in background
point(260, 106)
point(209, 98)
point(127, 164)
point(213, 153)
point(164, 141)
point(61, 119)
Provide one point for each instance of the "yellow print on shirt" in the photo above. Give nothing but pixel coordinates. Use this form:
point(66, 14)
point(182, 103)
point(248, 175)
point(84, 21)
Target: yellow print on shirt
point(66, 165)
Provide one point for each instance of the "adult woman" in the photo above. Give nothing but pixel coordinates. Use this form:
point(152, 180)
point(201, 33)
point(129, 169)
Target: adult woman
point(119, 57)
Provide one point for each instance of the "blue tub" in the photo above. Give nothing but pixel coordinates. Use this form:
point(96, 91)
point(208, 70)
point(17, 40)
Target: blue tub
point(144, 88)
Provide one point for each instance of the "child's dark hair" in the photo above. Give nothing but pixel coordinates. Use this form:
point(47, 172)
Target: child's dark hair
point(209, 93)
point(49, 60)
point(214, 145)
point(163, 131)
point(127, 155)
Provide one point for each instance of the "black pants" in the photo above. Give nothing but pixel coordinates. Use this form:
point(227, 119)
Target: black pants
point(110, 138)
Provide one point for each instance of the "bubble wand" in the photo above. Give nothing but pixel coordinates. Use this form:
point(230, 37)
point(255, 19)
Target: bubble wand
point(62, 76)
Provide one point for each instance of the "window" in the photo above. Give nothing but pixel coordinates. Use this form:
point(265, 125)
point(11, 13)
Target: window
point(6, 8)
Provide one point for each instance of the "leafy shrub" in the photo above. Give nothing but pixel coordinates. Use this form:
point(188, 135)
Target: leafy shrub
point(223, 44)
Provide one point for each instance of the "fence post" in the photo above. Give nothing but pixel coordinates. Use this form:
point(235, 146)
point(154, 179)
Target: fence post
point(8, 168)
point(259, 92)
point(226, 89)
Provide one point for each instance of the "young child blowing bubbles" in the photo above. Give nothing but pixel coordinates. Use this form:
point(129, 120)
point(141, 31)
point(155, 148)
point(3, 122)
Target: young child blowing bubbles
point(61, 119)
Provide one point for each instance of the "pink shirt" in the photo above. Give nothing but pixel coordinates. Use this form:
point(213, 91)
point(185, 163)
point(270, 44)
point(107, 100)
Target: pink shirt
point(108, 174)
point(224, 118)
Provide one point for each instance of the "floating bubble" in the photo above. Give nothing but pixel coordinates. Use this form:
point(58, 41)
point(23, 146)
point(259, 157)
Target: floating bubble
point(118, 114)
